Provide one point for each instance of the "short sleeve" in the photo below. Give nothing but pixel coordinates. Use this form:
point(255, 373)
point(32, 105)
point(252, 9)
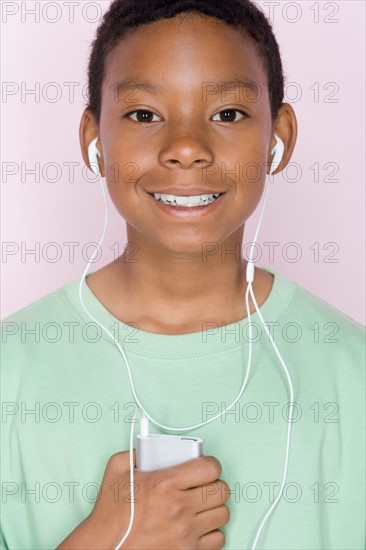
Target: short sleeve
point(3, 545)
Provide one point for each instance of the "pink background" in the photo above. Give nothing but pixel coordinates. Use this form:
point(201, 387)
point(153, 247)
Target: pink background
point(71, 209)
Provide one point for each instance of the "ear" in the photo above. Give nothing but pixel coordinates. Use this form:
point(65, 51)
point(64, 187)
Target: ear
point(88, 131)
point(285, 126)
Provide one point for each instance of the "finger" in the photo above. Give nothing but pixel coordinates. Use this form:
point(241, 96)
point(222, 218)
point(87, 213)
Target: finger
point(208, 496)
point(193, 473)
point(212, 541)
point(208, 521)
point(119, 463)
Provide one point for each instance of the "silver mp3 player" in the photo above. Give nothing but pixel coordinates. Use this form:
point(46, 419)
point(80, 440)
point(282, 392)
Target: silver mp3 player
point(157, 451)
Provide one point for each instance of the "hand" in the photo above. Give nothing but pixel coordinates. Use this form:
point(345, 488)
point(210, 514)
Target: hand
point(178, 507)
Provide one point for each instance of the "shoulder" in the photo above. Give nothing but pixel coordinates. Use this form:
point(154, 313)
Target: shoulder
point(35, 342)
point(311, 308)
point(23, 332)
point(41, 308)
point(328, 340)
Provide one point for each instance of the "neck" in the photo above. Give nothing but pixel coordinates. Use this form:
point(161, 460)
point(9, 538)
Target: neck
point(193, 274)
point(171, 292)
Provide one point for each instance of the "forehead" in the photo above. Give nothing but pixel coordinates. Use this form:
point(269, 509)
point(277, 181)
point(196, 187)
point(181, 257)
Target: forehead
point(184, 53)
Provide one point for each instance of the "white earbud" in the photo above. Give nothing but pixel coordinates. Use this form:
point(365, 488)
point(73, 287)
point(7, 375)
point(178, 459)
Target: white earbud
point(93, 155)
point(277, 151)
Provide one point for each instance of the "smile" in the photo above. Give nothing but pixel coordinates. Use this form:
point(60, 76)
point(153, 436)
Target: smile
point(187, 201)
point(187, 207)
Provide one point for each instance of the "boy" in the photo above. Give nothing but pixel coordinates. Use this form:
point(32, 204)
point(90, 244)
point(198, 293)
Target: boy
point(178, 313)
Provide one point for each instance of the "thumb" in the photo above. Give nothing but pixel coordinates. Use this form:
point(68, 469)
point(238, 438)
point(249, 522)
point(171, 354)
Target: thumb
point(122, 459)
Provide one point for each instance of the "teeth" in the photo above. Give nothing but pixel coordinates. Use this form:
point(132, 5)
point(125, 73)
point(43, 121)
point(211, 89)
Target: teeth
point(195, 200)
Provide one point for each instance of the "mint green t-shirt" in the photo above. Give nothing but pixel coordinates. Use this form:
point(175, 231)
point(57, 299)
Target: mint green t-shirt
point(67, 407)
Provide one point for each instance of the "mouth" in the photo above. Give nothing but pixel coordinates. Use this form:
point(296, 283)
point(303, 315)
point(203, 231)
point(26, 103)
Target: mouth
point(193, 206)
point(186, 201)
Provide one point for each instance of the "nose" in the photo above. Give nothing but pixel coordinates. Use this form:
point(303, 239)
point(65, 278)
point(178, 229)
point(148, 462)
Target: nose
point(185, 151)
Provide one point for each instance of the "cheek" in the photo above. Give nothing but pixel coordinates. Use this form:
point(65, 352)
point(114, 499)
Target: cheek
point(243, 160)
point(123, 170)
point(246, 201)
point(131, 162)
point(252, 183)
point(245, 171)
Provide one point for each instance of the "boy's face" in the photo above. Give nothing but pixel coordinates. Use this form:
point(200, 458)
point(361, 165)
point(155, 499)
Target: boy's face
point(185, 142)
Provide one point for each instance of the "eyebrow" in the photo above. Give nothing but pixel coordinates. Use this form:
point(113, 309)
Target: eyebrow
point(128, 83)
point(233, 83)
point(157, 87)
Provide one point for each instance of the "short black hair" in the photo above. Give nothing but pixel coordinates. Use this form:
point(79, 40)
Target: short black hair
point(124, 16)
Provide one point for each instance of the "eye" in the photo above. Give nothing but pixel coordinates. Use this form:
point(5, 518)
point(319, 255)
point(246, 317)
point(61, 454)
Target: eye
point(142, 115)
point(229, 115)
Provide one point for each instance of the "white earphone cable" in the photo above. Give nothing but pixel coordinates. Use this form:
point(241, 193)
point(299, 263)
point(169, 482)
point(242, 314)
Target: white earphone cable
point(250, 278)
